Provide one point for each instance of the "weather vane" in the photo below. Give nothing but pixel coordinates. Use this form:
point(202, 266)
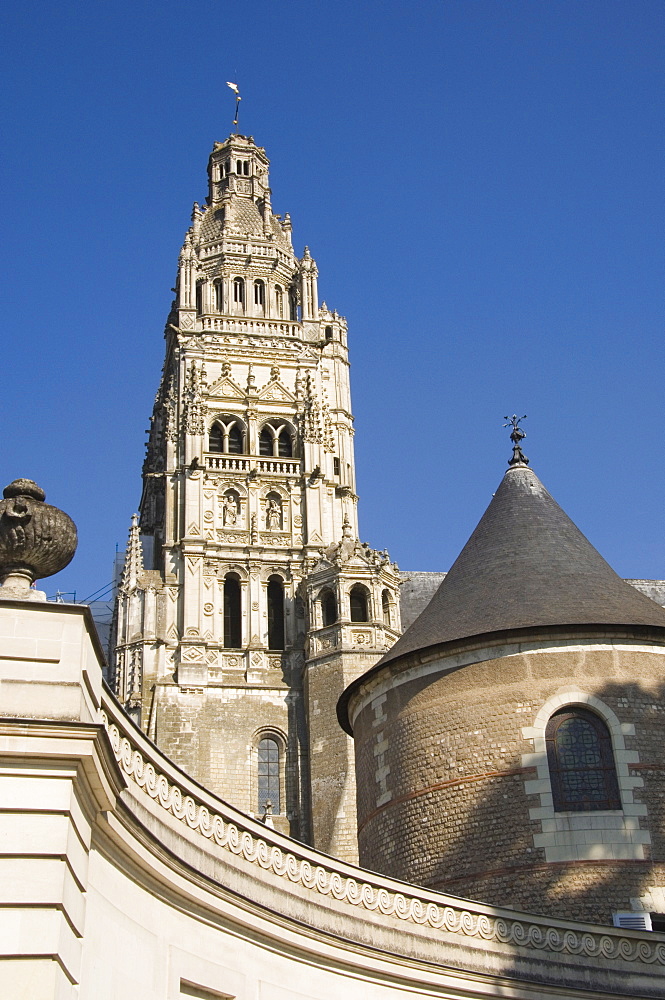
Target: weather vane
point(234, 88)
point(517, 435)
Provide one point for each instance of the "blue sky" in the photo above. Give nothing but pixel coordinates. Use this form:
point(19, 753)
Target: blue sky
point(480, 182)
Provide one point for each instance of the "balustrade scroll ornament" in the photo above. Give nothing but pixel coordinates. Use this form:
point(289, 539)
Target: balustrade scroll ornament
point(36, 540)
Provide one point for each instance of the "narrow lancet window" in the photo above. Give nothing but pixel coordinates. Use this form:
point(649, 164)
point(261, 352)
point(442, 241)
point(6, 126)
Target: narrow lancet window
point(268, 776)
point(232, 612)
point(275, 613)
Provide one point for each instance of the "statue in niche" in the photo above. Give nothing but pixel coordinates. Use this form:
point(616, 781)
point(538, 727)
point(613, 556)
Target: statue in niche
point(230, 510)
point(273, 513)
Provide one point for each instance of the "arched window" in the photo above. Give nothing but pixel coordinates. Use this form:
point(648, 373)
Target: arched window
point(359, 604)
point(329, 333)
point(232, 612)
point(235, 440)
point(239, 291)
point(259, 293)
point(199, 298)
point(279, 301)
point(328, 608)
point(581, 762)
point(293, 304)
point(268, 775)
point(265, 442)
point(284, 444)
point(275, 439)
point(216, 442)
point(275, 613)
point(226, 435)
point(385, 607)
point(219, 297)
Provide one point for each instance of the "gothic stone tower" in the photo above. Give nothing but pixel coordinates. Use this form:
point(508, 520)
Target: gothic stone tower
point(249, 526)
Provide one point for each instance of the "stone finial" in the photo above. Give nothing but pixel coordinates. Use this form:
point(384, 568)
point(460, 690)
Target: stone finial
point(517, 435)
point(36, 540)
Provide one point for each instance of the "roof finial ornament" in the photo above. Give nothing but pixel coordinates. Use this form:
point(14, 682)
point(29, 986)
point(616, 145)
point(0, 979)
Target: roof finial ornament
point(517, 435)
point(234, 88)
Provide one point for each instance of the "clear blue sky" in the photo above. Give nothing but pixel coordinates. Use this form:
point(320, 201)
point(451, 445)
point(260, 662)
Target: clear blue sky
point(480, 182)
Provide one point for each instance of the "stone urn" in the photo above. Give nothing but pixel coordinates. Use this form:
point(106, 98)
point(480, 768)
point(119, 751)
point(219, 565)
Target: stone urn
point(36, 540)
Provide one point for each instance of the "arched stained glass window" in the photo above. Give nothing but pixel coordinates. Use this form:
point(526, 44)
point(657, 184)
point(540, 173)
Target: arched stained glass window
point(268, 775)
point(581, 762)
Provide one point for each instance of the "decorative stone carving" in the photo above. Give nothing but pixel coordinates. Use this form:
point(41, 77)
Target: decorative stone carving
point(230, 508)
point(273, 512)
point(36, 540)
point(193, 409)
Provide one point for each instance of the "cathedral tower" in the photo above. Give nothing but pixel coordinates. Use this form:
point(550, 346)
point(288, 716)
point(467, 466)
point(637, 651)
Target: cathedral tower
point(249, 525)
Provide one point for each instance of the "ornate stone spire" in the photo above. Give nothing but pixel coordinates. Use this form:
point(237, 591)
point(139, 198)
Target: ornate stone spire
point(133, 558)
point(36, 540)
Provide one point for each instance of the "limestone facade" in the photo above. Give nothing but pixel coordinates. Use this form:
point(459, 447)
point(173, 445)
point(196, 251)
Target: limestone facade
point(248, 521)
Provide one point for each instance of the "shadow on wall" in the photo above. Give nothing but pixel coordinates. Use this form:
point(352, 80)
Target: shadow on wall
point(574, 865)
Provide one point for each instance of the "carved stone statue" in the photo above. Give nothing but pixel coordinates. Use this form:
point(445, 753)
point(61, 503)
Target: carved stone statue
point(273, 514)
point(230, 510)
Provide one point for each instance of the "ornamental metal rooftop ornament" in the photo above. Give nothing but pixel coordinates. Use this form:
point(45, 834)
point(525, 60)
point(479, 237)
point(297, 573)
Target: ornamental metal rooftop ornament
point(517, 435)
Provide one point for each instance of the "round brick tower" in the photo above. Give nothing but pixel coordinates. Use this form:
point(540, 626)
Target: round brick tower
point(509, 747)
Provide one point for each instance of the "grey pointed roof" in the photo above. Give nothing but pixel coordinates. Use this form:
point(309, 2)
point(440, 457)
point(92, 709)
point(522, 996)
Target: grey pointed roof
point(525, 565)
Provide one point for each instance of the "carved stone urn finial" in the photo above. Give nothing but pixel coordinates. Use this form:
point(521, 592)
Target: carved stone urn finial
point(36, 540)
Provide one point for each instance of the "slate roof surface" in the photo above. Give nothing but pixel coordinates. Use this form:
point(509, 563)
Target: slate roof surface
point(526, 564)
point(245, 215)
point(416, 590)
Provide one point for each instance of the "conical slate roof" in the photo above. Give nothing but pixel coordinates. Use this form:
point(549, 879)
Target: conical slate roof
point(525, 565)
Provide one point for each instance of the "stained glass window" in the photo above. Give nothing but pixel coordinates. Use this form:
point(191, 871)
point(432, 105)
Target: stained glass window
point(268, 775)
point(581, 762)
